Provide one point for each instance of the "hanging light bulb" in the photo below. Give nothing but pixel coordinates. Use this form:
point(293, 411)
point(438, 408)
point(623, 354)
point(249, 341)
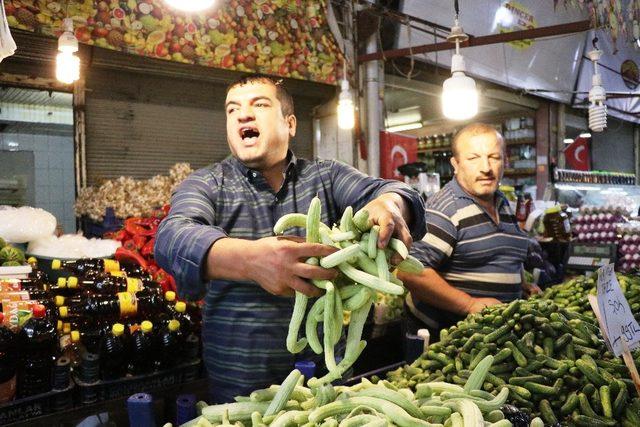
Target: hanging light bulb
point(190, 5)
point(346, 111)
point(597, 96)
point(67, 64)
point(459, 93)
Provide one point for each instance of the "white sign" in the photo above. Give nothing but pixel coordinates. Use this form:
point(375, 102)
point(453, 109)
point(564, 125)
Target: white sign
point(615, 312)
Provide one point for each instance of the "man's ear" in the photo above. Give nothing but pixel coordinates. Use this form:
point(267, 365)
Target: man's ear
point(454, 163)
point(292, 123)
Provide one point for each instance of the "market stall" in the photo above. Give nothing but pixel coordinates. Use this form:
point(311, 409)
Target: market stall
point(111, 311)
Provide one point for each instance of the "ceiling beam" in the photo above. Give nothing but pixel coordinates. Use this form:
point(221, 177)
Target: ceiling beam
point(553, 30)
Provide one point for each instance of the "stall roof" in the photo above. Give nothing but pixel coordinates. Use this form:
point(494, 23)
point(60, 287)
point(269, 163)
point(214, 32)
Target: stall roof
point(555, 64)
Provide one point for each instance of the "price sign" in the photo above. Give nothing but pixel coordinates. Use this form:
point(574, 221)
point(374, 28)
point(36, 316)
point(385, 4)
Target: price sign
point(618, 322)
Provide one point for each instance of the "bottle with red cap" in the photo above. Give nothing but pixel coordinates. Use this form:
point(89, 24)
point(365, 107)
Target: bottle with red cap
point(8, 362)
point(38, 343)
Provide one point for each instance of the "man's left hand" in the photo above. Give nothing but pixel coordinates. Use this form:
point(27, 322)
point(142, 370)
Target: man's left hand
point(531, 289)
point(390, 212)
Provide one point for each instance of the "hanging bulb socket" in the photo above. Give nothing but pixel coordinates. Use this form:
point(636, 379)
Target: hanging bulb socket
point(67, 42)
point(597, 96)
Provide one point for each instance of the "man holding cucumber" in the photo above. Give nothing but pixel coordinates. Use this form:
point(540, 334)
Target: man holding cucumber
point(473, 250)
point(218, 237)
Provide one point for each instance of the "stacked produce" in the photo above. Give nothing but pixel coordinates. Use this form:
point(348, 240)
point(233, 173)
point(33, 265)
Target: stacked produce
point(138, 237)
point(364, 269)
point(382, 404)
point(572, 294)
point(598, 224)
point(551, 359)
point(628, 248)
point(129, 197)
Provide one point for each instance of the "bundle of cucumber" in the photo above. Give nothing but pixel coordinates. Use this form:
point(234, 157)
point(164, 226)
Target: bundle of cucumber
point(381, 404)
point(552, 360)
point(364, 269)
point(572, 294)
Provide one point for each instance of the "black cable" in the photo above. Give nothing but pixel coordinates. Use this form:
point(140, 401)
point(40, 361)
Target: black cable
point(594, 42)
point(456, 7)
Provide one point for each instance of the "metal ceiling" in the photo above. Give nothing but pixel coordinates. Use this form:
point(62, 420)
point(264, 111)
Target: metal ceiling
point(35, 97)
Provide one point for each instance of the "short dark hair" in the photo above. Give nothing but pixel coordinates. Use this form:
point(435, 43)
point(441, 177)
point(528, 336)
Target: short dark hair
point(472, 129)
point(283, 95)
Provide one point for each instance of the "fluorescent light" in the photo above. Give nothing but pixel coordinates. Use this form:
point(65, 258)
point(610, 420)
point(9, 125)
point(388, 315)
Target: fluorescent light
point(408, 126)
point(404, 116)
point(568, 140)
point(459, 93)
point(585, 135)
point(67, 64)
point(190, 5)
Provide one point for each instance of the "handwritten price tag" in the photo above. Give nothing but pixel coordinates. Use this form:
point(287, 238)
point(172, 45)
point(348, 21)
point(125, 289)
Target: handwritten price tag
point(617, 318)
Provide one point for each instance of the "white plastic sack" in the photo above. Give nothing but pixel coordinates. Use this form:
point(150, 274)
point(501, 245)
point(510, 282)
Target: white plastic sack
point(72, 246)
point(24, 224)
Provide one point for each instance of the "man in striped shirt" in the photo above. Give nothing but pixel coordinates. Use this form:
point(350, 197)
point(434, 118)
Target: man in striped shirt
point(473, 250)
point(218, 237)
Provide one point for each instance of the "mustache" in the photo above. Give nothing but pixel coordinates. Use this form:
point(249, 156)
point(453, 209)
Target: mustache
point(486, 176)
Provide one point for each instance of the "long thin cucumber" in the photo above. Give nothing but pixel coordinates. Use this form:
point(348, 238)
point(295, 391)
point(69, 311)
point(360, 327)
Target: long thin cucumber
point(383, 266)
point(329, 320)
point(284, 392)
point(293, 344)
point(361, 220)
point(368, 280)
point(295, 220)
point(372, 244)
point(411, 265)
point(311, 325)
point(338, 315)
point(340, 257)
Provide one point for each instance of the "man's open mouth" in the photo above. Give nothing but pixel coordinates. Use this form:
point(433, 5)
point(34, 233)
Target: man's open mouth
point(249, 134)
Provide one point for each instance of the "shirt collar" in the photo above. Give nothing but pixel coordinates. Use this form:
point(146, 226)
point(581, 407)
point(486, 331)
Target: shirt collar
point(459, 192)
point(289, 170)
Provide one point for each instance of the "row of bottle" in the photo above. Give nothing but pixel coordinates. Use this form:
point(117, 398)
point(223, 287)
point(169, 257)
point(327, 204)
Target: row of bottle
point(594, 177)
point(98, 351)
point(435, 141)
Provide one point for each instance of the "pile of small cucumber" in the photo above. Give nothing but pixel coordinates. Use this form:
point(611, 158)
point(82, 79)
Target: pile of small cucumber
point(553, 362)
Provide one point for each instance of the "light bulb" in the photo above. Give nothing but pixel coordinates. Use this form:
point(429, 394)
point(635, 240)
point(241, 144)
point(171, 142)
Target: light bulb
point(597, 116)
point(597, 96)
point(346, 111)
point(67, 67)
point(459, 93)
point(190, 5)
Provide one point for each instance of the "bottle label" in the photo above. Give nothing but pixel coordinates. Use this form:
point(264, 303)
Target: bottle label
point(134, 285)
point(111, 265)
point(118, 273)
point(128, 304)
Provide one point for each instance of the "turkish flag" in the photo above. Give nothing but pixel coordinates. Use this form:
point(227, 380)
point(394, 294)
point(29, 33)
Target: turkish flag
point(578, 155)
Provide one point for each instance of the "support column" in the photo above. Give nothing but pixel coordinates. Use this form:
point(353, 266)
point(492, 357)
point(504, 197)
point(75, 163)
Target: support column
point(79, 137)
point(561, 135)
point(636, 150)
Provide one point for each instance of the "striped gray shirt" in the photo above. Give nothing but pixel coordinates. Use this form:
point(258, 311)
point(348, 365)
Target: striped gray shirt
point(245, 327)
point(469, 249)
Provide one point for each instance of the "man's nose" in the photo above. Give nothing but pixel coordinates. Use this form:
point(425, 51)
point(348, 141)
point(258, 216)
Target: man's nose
point(246, 114)
point(486, 167)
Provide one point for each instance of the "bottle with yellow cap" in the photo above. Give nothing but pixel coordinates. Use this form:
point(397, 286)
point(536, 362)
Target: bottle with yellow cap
point(73, 349)
point(170, 344)
point(119, 306)
point(86, 266)
point(113, 354)
point(142, 349)
point(107, 284)
point(187, 325)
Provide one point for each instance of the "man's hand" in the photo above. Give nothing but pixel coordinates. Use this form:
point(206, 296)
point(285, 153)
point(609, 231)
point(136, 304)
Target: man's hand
point(530, 289)
point(477, 304)
point(278, 265)
point(389, 211)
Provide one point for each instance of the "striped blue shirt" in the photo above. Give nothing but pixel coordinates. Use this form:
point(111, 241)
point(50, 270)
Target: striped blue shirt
point(245, 327)
point(470, 250)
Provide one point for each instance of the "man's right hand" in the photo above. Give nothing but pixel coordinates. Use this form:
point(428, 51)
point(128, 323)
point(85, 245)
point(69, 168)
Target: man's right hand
point(278, 265)
point(477, 304)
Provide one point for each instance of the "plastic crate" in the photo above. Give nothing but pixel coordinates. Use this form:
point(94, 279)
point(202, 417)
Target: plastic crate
point(38, 405)
point(88, 393)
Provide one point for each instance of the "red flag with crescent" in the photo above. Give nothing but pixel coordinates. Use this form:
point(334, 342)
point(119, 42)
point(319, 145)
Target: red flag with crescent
point(578, 155)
